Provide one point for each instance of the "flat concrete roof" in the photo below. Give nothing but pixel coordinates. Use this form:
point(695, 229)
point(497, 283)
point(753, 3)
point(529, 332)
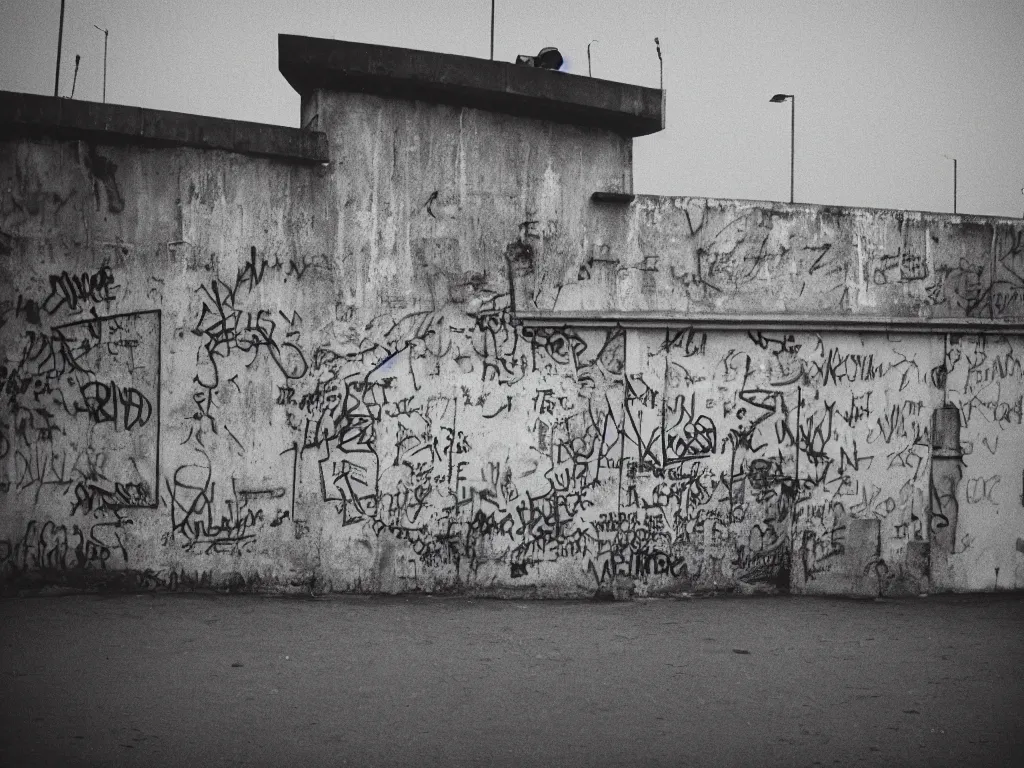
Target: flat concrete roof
point(310, 63)
point(32, 115)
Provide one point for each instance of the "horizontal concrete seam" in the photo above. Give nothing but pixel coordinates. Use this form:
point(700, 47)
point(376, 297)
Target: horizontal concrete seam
point(828, 209)
point(803, 323)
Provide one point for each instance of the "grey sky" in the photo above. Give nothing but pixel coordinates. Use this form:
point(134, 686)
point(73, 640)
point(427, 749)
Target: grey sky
point(884, 89)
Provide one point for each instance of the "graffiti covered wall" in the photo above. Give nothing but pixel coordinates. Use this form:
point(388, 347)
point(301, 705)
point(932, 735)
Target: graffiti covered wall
point(134, 317)
point(431, 365)
point(691, 256)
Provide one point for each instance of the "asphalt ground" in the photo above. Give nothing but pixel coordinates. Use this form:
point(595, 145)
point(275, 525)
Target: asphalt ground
point(192, 680)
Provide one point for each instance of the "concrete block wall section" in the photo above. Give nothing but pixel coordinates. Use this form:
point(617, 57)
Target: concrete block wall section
point(123, 273)
point(434, 204)
point(28, 115)
point(702, 256)
point(229, 371)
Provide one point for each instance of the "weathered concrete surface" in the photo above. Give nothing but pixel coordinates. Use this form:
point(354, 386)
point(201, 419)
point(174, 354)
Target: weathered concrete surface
point(432, 204)
point(26, 114)
point(311, 64)
point(154, 681)
point(228, 370)
point(704, 256)
point(138, 238)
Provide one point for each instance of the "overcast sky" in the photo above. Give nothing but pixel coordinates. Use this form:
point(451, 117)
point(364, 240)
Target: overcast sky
point(884, 89)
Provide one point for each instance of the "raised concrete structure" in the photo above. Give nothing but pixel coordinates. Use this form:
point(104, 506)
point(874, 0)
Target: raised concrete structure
point(434, 341)
point(26, 115)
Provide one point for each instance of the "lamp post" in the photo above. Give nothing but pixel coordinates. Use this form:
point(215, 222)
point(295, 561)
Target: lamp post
point(661, 67)
point(590, 71)
point(60, 44)
point(74, 82)
point(492, 30)
point(106, 33)
point(779, 98)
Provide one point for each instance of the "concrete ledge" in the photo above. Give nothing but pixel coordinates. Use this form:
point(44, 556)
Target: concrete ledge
point(309, 63)
point(620, 198)
point(24, 114)
point(826, 209)
point(761, 322)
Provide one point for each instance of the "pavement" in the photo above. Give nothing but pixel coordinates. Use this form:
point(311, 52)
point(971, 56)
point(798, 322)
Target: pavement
point(193, 680)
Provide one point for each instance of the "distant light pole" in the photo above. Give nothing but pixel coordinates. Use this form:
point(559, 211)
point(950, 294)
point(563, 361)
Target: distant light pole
point(492, 30)
point(74, 82)
point(590, 72)
point(106, 33)
point(954, 180)
point(779, 98)
point(661, 65)
point(60, 44)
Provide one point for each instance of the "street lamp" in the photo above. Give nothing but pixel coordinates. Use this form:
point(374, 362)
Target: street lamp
point(60, 46)
point(661, 67)
point(779, 98)
point(74, 82)
point(106, 33)
point(590, 72)
point(954, 180)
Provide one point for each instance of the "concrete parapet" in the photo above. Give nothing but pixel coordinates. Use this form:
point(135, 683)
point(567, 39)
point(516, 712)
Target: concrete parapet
point(706, 258)
point(24, 114)
point(310, 63)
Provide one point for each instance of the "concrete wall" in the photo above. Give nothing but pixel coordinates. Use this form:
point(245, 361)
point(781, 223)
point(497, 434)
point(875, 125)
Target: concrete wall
point(434, 363)
point(703, 256)
point(429, 201)
point(138, 339)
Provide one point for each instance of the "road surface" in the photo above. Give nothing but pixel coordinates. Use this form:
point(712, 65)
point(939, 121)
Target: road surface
point(191, 680)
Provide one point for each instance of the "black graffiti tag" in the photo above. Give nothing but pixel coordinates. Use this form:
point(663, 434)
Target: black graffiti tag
point(80, 289)
point(125, 406)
